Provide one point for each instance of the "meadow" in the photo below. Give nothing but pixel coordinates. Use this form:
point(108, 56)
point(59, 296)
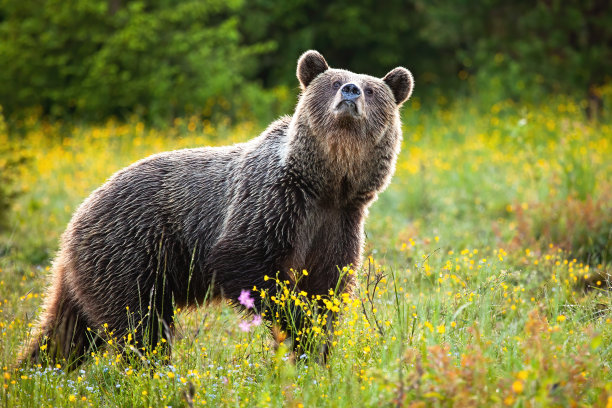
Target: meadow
point(486, 279)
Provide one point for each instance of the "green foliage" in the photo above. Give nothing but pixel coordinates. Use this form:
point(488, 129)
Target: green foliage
point(161, 60)
point(517, 50)
point(98, 58)
point(525, 50)
point(359, 35)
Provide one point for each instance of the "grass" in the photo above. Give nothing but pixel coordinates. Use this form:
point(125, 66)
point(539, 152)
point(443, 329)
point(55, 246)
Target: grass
point(491, 249)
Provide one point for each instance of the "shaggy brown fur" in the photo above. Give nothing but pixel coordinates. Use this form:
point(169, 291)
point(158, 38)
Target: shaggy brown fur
point(182, 227)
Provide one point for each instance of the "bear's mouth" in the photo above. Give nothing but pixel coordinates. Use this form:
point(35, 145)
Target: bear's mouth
point(347, 108)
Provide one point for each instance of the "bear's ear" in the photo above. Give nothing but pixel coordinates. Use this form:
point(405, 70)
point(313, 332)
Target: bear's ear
point(401, 83)
point(310, 64)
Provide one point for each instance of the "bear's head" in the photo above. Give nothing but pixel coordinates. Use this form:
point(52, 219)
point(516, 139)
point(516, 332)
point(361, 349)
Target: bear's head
point(339, 103)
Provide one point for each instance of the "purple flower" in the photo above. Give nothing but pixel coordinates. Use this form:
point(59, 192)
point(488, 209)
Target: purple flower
point(246, 300)
point(244, 326)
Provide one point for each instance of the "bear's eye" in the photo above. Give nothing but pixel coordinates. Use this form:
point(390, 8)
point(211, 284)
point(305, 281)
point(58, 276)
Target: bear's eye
point(369, 91)
point(336, 85)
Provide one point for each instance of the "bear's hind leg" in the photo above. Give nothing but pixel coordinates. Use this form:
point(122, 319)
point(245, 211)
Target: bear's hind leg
point(63, 335)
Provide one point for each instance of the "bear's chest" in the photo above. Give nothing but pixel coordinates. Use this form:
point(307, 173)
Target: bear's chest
point(326, 238)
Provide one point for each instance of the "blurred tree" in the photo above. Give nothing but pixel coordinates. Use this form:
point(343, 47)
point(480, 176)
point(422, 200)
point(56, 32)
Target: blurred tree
point(160, 59)
point(361, 35)
point(107, 57)
point(527, 46)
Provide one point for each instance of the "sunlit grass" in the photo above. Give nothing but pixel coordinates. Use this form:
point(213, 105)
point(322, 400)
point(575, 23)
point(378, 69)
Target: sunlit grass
point(479, 301)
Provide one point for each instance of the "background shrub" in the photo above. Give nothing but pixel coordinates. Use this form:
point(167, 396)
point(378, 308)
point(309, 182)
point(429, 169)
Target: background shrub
point(98, 58)
point(581, 228)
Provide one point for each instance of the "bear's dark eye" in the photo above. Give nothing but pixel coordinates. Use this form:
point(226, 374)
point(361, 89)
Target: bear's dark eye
point(336, 85)
point(369, 91)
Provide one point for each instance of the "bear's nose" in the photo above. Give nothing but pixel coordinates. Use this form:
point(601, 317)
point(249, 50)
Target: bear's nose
point(350, 91)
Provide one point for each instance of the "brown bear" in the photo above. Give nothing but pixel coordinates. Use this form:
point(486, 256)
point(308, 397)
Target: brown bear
point(183, 227)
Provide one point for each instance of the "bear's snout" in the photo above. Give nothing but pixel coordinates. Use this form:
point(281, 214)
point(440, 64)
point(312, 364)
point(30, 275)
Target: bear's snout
point(350, 92)
point(349, 101)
